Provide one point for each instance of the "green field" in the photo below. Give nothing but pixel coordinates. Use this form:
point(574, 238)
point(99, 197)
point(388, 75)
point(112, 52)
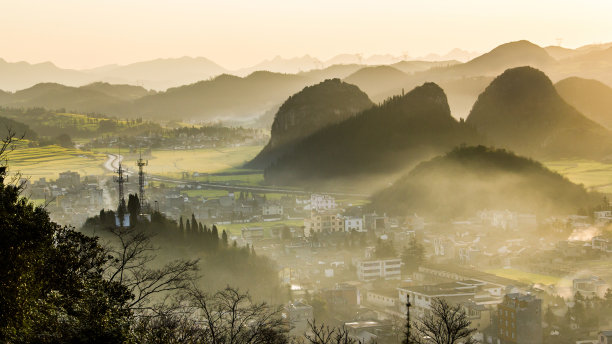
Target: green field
point(525, 277)
point(594, 175)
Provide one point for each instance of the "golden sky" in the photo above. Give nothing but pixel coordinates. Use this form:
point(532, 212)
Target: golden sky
point(88, 33)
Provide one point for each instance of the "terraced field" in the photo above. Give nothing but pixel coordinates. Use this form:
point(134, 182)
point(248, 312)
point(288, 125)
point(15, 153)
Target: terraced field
point(49, 161)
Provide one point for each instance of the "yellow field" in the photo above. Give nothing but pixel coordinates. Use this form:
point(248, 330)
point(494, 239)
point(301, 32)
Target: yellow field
point(525, 277)
point(593, 174)
point(172, 163)
point(49, 161)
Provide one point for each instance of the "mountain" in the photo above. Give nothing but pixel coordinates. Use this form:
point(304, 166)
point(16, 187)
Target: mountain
point(560, 53)
point(160, 74)
point(591, 97)
point(374, 80)
point(409, 67)
point(455, 54)
point(19, 75)
point(96, 97)
point(225, 96)
point(282, 65)
point(469, 179)
point(381, 140)
point(306, 112)
point(513, 54)
point(522, 111)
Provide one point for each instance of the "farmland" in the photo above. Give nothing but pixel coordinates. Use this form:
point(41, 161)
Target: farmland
point(594, 175)
point(49, 161)
point(525, 277)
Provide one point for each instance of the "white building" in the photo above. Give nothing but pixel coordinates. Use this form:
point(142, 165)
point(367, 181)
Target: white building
point(353, 224)
point(272, 209)
point(322, 202)
point(370, 270)
point(590, 287)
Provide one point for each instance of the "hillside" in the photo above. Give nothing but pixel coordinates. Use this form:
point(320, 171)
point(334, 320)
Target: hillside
point(160, 74)
point(96, 97)
point(512, 54)
point(521, 110)
point(307, 111)
point(225, 96)
point(469, 179)
point(19, 75)
point(591, 97)
point(381, 140)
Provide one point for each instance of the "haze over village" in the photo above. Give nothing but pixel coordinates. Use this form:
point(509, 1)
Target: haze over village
point(306, 172)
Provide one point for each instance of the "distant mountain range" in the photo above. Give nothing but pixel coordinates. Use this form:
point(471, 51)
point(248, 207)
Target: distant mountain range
point(206, 91)
point(468, 179)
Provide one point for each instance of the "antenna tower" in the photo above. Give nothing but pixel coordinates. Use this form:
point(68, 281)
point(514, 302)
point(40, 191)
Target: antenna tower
point(120, 179)
point(141, 163)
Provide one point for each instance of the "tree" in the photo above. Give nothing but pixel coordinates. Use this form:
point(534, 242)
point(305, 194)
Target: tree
point(224, 238)
point(52, 287)
point(384, 249)
point(225, 317)
point(133, 208)
point(323, 334)
point(443, 324)
point(413, 255)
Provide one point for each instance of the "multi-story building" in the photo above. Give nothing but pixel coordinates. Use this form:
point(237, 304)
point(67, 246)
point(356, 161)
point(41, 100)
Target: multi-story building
point(272, 209)
point(590, 287)
point(421, 296)
point(370, 270)
point(519, 319)
point(326, 222)
point(353, 224)
point(322, 202)
point(250, 234)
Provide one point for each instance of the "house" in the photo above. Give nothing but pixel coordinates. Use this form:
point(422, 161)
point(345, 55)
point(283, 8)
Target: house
point(322, 202)
point(590, 287)
point(519, 319)
point(602, 243)
point(605, 337)
point(353, 224)
point(455, 292)
point(382, 298)
point(251, 234)
point(327, 222)
point(370, 270)
point(272, 209)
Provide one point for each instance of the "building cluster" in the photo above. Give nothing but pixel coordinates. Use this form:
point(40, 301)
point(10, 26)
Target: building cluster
point(70, 199)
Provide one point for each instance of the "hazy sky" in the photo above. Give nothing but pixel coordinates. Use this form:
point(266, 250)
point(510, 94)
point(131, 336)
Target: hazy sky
point(88, 33)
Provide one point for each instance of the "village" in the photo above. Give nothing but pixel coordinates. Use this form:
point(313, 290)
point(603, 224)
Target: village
point(349, 266)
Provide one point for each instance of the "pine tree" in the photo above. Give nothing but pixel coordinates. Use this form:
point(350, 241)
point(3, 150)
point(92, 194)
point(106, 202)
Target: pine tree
point(181, 227)
point(224, 238)
point(194, 224)
point(215, 237)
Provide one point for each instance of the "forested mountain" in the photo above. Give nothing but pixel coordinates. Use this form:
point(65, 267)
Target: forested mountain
point(522, 111)
point(383, 139)
point(307, 111)
point(468, 179)
point(591, 97)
